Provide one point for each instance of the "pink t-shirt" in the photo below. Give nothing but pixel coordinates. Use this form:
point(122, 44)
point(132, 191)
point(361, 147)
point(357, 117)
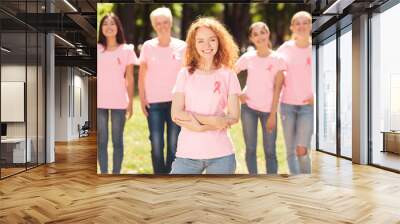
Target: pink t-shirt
point(206, 94)
point(163, 65)
point(111, 67)
point(261, 72)
point(298, 76)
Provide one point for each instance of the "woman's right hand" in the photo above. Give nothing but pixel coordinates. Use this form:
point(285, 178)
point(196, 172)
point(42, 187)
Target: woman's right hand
point(192, 124)
point(243, 98)
point(144, 105)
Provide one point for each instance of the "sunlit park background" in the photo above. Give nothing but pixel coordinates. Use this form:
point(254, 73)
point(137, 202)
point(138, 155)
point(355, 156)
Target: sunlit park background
point(237, 18)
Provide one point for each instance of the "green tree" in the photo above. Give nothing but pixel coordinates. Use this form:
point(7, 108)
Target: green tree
point(102, 10)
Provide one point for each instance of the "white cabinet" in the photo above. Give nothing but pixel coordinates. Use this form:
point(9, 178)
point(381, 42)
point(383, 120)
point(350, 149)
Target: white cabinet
point(18, 149)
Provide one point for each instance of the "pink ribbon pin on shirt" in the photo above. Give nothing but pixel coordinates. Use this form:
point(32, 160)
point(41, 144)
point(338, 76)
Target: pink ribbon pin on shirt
point(308, 61)
point(176, 56)
point(217, 86)
point(269, 68)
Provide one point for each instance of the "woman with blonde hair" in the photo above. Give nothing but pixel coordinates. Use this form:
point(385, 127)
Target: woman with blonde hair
point(297, 110)
point(260, 97)
point(205, 101)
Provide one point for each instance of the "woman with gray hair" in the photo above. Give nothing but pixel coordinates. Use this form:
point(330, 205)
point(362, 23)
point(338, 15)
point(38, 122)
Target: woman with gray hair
point(160, 61)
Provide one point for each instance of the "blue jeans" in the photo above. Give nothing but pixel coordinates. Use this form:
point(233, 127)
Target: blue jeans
point(250, 119)
point(159, 116)
point(222, 165)
point(298, 125)
point(117, 128)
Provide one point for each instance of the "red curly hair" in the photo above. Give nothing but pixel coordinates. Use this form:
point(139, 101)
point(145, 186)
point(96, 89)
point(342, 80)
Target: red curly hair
point(227, 52)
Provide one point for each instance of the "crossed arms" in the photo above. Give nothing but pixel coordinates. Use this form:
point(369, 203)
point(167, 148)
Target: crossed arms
point(198, 122)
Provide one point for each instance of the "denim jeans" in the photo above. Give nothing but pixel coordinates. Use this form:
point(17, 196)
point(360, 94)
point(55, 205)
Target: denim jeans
point(159, 116)
point(117, 129)
point(222, 165)
point(250, 119)
point(298, 125)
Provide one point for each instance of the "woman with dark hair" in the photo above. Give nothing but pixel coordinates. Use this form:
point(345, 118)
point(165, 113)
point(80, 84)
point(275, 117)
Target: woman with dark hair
point(115, 88)
point(260, 97)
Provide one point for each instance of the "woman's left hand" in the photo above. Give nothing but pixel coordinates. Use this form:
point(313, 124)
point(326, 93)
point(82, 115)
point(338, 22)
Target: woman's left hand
point(191, 124)
point(271, 123)
point(309, 101)
point(129, 111)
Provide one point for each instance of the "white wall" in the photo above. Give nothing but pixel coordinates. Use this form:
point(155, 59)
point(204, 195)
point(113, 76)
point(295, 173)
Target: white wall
point(71, 94)
point(61, 103)
point(33, 127)
point(81, 100)
point(15, 73)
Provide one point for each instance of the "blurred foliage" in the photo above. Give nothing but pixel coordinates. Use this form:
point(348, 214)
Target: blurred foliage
point(236, 17)
point(102, 10)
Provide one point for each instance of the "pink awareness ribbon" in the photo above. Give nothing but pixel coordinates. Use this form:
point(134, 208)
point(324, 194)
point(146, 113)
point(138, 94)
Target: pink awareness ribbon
point(269, 68)
point(217, 86)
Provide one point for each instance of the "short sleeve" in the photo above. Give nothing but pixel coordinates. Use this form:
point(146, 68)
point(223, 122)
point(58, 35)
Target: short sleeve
point(281, 52)
point(281, 64)
point(241, 63)
point(143, 53)
point(100, 48)
point(132, 58)
point(179, 52)
point(183, 53)
point(234, 84)
point(180, 81)
point(281, 48)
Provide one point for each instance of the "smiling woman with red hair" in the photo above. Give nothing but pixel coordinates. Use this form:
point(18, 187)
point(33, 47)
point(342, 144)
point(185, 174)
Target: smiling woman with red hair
point(205, 101)
point(227, 51)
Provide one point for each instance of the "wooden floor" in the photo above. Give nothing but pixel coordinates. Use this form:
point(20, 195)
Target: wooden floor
point(70, 191)
point(387, 159)
point(10, 171)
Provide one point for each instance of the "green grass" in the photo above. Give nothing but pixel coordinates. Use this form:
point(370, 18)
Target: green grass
point(137, 157)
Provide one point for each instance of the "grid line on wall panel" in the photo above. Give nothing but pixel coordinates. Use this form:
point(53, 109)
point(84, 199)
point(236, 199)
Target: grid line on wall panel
point(25, 89)
point(369, 97)
point(338, 99)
